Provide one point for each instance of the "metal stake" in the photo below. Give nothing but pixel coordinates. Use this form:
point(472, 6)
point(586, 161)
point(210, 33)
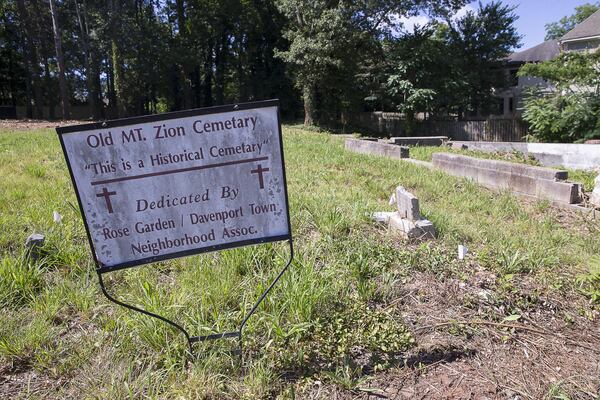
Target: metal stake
point(193, 339)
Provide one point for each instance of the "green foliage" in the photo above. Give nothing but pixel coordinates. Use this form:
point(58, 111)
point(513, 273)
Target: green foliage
point(443, 67)
point(133, 58)
point(589, 283)
point(571, 111)
point(555, 30)
point(19, 281)
point(351, 330)
point(330, 42)
point(478, 42)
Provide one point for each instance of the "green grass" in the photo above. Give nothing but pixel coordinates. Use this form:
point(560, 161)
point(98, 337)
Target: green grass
point(331, 304)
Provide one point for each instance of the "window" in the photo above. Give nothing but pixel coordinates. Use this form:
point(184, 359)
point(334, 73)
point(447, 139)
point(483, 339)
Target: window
point(513, 78)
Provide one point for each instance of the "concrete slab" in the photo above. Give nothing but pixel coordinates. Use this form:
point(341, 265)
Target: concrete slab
point(382, 216)
point(420, 163)
point(568, 155)
point(422, 229)
point(513, 168)
point(420, 140)
point(522, 179)
point(377, 148)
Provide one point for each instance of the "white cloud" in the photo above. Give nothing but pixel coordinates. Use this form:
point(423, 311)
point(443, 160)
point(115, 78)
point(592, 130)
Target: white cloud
point(461, 13)
point(409, 23)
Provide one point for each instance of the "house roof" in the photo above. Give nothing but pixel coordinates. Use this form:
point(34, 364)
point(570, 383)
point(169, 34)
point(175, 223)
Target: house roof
point(589, 27)
point(542, 52)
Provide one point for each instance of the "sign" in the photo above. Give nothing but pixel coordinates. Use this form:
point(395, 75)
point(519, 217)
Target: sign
point(170, 185)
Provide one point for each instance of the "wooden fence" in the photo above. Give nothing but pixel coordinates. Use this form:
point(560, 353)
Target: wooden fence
point(491, 130)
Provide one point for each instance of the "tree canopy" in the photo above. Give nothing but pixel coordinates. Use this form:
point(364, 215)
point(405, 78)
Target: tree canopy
point(555, 30)
point(334, 57)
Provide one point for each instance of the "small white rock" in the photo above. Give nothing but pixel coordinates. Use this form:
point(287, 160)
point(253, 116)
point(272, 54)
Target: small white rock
point(392, 199)
point(462, 252)
point(57, 217)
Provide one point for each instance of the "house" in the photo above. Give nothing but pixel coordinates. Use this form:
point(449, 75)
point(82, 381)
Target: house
point(585, 36)
point(511, 97)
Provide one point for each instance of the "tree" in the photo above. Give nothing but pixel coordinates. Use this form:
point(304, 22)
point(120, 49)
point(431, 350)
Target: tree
point(555, 30)
point(330, 39)
point(32, 63)
point(11, 61)
point(478, 43)
point(448, 67)
point(417, 73)
point(124, 58)
point(570, 112)
point(91, 73)
point(62, 82)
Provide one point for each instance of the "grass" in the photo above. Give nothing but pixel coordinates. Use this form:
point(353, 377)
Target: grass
point(333, 303)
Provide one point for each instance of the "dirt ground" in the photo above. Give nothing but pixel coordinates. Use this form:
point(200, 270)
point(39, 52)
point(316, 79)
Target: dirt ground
point(550, 352)
point(25, 124)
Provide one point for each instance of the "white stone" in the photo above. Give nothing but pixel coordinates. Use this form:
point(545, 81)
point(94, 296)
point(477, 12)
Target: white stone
point(422, 229)
point(595, 196)
point(56, 217)
point(35, 239)
point(381, 216)
point(462, 251)
point(407, 204)
point(392, 199)
point(34, 243)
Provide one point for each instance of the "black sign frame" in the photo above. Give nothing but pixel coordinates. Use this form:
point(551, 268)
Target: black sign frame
point(102, 269)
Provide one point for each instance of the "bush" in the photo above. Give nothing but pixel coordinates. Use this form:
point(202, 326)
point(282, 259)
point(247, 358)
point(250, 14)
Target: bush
point(571, 112)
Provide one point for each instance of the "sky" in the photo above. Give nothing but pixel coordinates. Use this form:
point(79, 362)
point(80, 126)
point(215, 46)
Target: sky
point(533, 16)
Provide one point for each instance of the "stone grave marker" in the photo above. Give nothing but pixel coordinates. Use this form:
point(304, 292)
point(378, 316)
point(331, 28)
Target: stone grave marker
point(406, 220)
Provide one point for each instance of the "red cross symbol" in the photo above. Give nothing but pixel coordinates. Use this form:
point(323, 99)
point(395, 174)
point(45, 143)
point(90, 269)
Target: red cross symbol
point(260, 170)
point(106, 194)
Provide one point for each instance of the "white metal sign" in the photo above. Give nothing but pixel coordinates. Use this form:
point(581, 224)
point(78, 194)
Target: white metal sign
point(170, 185)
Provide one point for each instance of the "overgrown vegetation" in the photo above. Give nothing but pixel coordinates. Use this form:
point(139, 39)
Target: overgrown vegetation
point(571, 111)
point(332, 318)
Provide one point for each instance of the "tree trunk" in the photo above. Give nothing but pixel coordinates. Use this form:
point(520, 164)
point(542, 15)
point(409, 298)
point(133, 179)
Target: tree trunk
point(28, 95)
point(116, 59)
point(48, 84)
point(308, 94)
point(118, 79)
point(207, 84)
point(89, 76)
point(220, 64)
point(112, 97)
point(184, 68)
point(49, 91)
point(62, 81)
point(32, 65)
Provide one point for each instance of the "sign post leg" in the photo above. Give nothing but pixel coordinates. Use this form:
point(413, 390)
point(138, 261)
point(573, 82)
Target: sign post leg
point(214, 336)
point(134, 308)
